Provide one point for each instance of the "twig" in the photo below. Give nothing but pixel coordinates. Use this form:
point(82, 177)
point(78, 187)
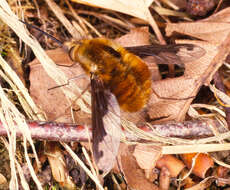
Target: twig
point(53, 131)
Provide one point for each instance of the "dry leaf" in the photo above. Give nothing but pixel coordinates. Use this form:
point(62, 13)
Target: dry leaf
point(56, 161)
point(54, 102)
point(58, 166)
point(134, 175)
point(181, 4)
point(2, 179)
point(202, 163)
point(188, 181)
point(127, 7)
point(204, 184)
point(197, 73)
point(164, 179)
point(213, 29)
point(147, 156)
point(221, 172)
point(221, 16)
point(212, 32)
point(173, 164)
point(136, 37)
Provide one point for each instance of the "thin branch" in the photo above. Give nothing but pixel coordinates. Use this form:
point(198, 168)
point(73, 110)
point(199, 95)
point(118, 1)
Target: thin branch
point(53, 131)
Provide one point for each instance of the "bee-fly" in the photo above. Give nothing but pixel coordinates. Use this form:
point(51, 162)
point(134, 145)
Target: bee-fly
point(119, 78)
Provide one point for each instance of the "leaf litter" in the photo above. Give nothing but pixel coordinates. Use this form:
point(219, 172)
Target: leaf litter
point(182, 90)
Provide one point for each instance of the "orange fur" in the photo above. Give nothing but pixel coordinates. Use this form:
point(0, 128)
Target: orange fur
point(122, 72)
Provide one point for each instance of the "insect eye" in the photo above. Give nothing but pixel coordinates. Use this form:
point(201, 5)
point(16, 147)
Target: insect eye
point(73, 52)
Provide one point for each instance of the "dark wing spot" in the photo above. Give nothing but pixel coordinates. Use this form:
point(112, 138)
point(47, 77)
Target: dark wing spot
point(112, 51)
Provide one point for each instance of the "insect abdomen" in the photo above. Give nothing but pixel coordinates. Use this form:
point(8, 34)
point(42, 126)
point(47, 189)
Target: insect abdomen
point(132, 86)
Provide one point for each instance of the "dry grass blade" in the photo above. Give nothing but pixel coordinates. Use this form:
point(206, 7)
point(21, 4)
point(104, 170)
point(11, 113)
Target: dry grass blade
point(17, 81)
point(89, 161)
point(50, 67)
point(23, 181)
point(12, 20)
point(13, 181)
point(182, 149)
point(211, 108)
point(204, 184)
point(81, 27)
point(58, 12)
point(168, 12)
point(9, 116)
point(19, 88)
point(75, 157)
point(129, 8)
point(221, 163)
point(221, 96)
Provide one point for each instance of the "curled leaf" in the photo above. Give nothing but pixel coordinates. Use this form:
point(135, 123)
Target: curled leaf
point(173, 164)
point(202, 163)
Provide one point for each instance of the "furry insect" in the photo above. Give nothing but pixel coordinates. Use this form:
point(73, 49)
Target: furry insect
point(119, 79)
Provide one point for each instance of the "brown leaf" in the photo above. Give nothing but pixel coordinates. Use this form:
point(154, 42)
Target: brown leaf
point(188, 181)
point(58, 166)
point(173, 164)
point(213, 29)
point(2, 179)
point(147, 156)
point(162, 110)
point(204, 184)
point(164, 179)
point(221, 16)
point(54, 102)
point(122, 6)
point(181, 4)
point(197, 73)
point(134, 175)
point(221, 172)
point(202, 163)
point(212, 32)
point(136, 37)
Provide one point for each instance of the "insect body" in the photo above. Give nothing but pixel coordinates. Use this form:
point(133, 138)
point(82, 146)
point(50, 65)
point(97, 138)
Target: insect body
point(122, 72)
point(116, 71)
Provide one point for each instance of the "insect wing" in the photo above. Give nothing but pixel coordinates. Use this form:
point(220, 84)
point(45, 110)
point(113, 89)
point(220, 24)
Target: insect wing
point(106, 125)
point(169, 54)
